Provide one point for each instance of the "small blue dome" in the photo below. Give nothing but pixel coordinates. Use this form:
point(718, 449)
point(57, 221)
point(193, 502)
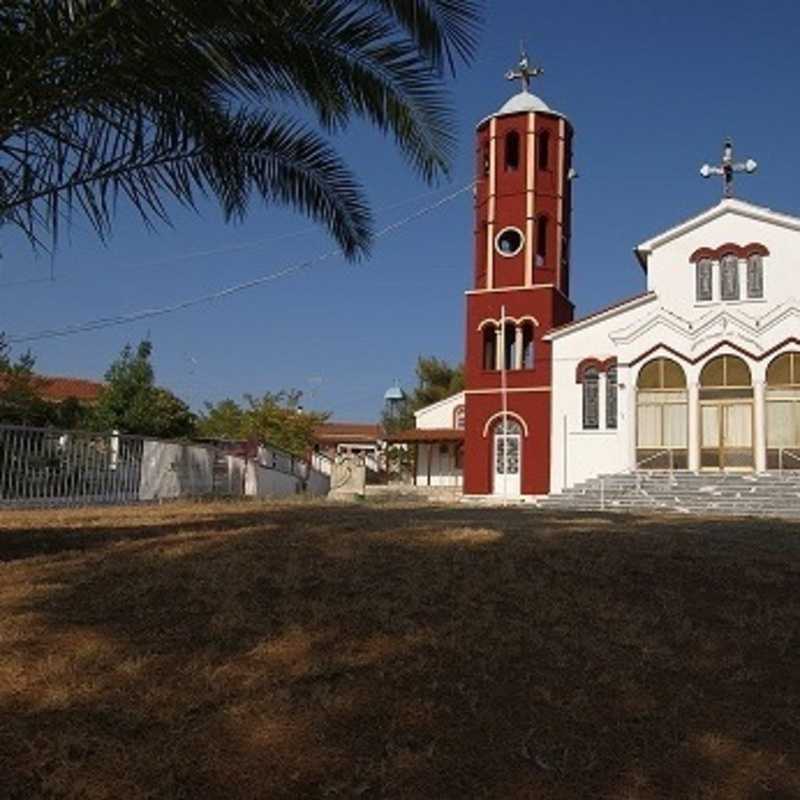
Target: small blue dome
point(394, 393)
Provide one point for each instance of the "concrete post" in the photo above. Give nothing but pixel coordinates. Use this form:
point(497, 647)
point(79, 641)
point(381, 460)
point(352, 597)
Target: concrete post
point(760, 425)
point(694, 426)
point(632, 424)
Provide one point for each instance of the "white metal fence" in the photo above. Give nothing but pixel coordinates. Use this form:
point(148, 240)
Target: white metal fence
point(50, 467)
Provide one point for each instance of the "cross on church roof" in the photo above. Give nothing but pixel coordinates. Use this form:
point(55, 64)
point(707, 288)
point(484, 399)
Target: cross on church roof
point(524, 71)
point(728, 168)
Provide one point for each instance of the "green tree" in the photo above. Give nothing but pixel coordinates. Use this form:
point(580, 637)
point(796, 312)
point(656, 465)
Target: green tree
point(436, 380)
point(274, 418)
point(132, 403)
point(22, 395)
point(20, 399)
point(70, 413)
point(153, 99)
point(223, 420)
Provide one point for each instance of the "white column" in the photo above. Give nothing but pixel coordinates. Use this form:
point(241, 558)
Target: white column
point(499, 348)
point(518, 347)
point(694, 426)
point(760, 430)
point(491, 203)
point(630, 420)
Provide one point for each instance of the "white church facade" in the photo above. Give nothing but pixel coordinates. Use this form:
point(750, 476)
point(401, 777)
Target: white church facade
point(702, 371)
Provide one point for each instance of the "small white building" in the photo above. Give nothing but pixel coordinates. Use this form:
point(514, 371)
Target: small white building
point(437, 443)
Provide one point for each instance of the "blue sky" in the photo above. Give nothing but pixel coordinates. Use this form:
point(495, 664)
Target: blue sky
point(651, 91)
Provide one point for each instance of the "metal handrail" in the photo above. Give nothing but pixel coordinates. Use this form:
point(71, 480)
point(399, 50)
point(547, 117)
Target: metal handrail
point(786, 451)
point(666, 451)
point(652, 457)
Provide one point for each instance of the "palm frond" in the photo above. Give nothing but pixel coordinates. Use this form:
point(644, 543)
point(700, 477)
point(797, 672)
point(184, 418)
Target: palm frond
point(444, 30)
point(150, 99)
point(87, 164)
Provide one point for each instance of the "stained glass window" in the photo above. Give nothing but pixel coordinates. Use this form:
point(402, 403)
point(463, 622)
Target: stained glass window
point(755, 277)
point(729, 278)
point(705, 286)
point(611, 398)
point(591, 399)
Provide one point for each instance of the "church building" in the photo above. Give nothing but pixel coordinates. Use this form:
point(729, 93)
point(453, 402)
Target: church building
point(699, 372)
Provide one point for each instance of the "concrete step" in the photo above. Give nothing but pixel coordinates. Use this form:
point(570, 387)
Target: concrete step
point(773, 493)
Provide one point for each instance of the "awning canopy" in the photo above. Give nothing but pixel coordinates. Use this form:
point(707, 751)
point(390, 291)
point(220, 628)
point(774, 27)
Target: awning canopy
point(422, 435)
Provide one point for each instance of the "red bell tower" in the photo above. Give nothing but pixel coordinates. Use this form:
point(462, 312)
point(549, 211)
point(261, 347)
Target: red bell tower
point(521, 292)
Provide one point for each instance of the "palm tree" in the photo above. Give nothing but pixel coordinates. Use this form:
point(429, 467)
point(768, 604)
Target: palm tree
point(148, 100)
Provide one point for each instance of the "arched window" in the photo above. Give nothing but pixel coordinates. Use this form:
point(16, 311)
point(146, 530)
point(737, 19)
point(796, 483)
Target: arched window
point(544, 149)
point(485, 159)
point(591, 399)
point(755, 277)
point(489, 347)
point(662, 416)
point(611, 398)
point(541, 240)
point(783, 412)
point(510, 345)
point(512, 151)
point(528, 347)
point(725, 372)
point(459, 418)
point(704, 284)
point(729, 277)
point(726, 414)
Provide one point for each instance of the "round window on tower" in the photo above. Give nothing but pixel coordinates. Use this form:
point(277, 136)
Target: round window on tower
point(509, 242)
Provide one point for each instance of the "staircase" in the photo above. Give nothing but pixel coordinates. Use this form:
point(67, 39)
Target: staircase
point(764, 494)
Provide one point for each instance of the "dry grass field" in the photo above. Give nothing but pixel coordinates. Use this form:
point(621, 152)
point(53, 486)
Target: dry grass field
point(357, 651)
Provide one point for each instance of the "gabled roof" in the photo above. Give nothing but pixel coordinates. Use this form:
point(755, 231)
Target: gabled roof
point(728, 205)
point(335, 432)
point(601, 314)
point(456, 398)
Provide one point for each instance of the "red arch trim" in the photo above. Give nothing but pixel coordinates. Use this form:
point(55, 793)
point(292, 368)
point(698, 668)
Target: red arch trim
point(723, 343)
point(588, 363)
point(738, 250)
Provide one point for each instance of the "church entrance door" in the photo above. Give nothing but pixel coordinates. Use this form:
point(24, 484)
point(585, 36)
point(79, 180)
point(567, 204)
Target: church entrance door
point(507, 459)
point(726, 414)
point(727, 435)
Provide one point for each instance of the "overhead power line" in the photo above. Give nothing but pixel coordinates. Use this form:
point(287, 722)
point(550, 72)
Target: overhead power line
point(134, 316)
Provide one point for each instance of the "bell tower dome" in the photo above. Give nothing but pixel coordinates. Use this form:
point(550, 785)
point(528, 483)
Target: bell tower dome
point(520, 289)
point(523, 197)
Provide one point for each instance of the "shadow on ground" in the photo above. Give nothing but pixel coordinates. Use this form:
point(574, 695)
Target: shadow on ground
point(399, 652)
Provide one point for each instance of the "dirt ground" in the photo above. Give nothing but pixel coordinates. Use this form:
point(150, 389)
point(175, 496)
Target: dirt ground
point(243, 650)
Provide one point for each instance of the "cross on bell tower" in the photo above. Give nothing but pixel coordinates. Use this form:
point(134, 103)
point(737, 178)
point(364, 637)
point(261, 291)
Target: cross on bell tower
point(524, 71)
point(728, 168)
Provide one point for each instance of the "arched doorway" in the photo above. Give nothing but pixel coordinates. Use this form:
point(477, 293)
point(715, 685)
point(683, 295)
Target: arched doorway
point(783, 412)
point(662, 416)
point(507, 460)
point(726, 414)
